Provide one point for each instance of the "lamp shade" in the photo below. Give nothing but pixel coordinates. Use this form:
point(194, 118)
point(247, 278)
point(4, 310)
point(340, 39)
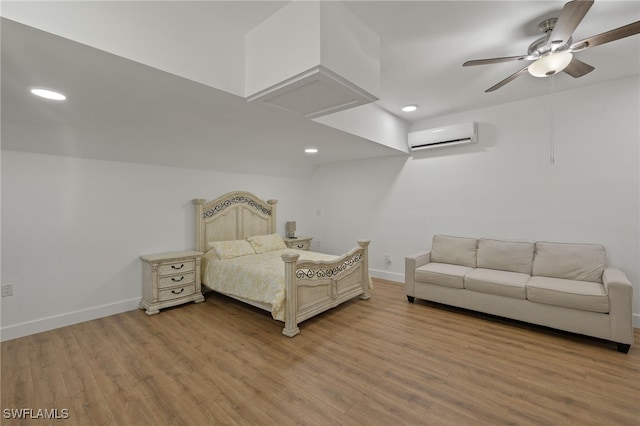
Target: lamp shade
point(550, 64)
point(290, 228)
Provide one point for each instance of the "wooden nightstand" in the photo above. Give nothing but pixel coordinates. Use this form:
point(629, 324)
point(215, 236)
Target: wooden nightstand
point(170, 279)
point(300, 243)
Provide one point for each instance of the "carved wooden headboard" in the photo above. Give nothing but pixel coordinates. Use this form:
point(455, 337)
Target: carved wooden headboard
point(233, 216)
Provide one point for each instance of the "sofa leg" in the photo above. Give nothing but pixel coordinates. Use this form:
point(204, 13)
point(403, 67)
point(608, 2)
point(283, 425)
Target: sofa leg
point(411, 298)
point(624, 348)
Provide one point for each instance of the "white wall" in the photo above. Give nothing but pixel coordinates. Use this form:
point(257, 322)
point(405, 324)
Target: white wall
point(273, 55)
point(503, 187)
point(72, 230)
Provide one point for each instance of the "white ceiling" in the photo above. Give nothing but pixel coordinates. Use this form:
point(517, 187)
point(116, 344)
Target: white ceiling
point(425, 43)
point(126, 111)
point(121, 110)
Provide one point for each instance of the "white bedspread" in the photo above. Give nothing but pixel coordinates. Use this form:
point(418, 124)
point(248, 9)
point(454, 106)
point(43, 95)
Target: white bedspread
point(257, 277)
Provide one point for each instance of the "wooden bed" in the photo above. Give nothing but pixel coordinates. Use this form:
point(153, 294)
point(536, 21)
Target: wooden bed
point(311, 287)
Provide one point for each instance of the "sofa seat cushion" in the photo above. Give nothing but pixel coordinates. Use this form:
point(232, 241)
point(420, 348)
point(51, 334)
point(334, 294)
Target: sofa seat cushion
point(501, 283)
point(443, 274)
point(582, 295)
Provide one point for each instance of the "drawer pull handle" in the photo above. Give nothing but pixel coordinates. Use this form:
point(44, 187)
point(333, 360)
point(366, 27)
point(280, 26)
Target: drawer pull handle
point(300, 245)
point(177, 292)
point(177, 267)
point(177, 280)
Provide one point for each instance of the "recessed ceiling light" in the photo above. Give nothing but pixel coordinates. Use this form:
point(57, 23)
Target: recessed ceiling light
point(311, 150)
point(409, 108)
point(49, 94)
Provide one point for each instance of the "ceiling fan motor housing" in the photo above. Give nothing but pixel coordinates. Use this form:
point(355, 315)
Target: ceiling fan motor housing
point(537, 47)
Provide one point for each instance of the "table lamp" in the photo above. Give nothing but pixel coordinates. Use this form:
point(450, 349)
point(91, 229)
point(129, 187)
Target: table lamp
point(290, 227)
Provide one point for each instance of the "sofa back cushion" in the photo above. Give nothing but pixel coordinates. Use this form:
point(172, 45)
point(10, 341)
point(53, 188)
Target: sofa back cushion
point(511, 256)
point(454, 250)
point(582, 262)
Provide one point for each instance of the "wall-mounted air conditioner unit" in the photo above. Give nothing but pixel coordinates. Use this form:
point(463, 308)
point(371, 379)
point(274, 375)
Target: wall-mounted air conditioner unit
point(458, 134)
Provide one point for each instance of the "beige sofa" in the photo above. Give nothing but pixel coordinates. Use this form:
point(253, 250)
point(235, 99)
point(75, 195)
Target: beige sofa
point(558, 285)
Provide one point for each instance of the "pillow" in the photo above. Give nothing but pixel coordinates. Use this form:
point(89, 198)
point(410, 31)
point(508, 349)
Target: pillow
point(581, 262)
point(454, 250)
point(511, 256)
point(264, 243)
point(230, 249)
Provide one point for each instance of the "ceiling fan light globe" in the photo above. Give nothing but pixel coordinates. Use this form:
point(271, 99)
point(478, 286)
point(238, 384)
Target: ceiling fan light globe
point(550, 64)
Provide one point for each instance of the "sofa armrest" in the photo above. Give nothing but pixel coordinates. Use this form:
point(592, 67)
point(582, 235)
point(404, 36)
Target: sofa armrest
point(620, 292)
point(412, 262)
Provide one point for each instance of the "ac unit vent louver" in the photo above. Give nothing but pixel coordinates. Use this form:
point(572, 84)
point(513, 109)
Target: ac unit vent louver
point(458, 134)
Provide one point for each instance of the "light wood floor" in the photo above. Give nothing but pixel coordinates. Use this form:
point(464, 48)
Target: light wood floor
point(382, 361)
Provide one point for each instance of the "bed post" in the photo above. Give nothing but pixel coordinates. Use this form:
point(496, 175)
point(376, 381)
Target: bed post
point(291, 295)
point(273, 224)
point(199, 203)
point(365, 269)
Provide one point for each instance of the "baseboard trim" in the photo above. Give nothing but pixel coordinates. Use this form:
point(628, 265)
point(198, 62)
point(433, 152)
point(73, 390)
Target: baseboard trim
point(45, 324)
point(387, 276)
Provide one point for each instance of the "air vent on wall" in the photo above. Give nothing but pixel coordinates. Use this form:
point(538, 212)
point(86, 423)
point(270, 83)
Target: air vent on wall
point(458, 134)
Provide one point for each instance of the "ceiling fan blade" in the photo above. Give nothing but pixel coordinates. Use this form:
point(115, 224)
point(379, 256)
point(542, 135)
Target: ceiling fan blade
point(497, 60)
point(572, 14)
point(577, 68)
point(507, 80)
point(606, 37)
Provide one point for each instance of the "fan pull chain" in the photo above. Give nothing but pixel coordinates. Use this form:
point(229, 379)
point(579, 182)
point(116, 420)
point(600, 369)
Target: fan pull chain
point(551, 122)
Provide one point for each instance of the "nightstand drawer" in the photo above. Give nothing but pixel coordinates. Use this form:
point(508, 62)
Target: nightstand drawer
point(302, 245)
point(176, 267)
point(299, 243)
point(176, 292)
point(174, 280)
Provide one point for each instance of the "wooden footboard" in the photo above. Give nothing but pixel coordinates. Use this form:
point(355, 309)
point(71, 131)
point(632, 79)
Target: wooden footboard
point(313, 287)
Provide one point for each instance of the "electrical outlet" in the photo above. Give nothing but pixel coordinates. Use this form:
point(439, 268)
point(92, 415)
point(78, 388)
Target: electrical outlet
point(7, 290)
point(387, 259)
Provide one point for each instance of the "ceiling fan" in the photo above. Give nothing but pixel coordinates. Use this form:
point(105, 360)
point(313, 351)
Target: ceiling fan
point(553, 52)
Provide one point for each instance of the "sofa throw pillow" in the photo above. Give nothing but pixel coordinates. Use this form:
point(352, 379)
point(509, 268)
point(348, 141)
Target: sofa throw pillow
point(265, 243)
point(232, 248)
point(454, 250)
point(582, 262)
point(512, 256)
